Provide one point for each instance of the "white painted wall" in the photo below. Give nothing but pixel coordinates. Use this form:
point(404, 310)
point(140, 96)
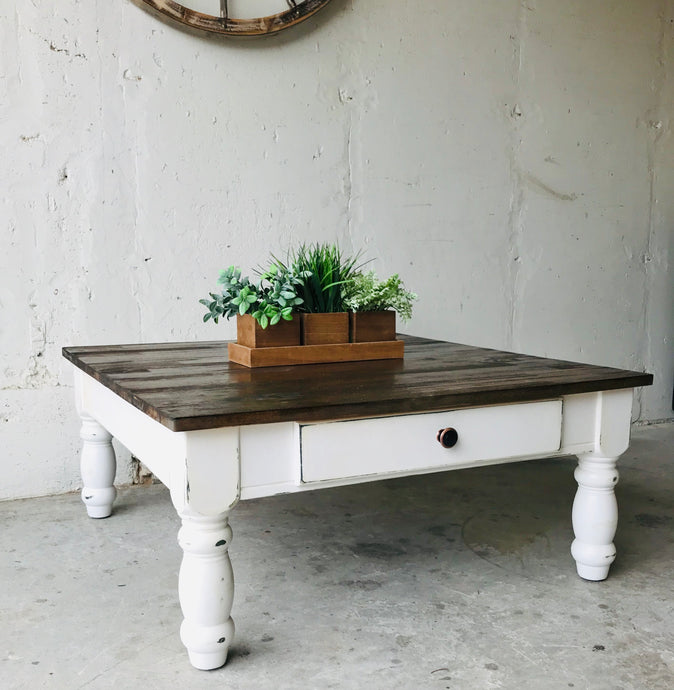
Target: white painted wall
point(512, 160)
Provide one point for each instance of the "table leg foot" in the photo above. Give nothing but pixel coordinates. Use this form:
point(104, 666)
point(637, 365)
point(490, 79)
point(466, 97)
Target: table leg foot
point(98, 466)
point(595, 516)
point(206, 589)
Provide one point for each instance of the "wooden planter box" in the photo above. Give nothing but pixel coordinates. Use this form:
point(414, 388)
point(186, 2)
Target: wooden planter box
point(249, 333)
point(324, 340)
point(372, 326)
point(325, 329)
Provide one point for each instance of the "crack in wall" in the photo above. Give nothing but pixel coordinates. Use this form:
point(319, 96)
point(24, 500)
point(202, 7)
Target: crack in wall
point(654, 134)
point(349, 182)
point(516, 205)
point(135, 264)
point(538, 184)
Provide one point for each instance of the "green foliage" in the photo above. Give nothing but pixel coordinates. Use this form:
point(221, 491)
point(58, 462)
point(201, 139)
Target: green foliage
point(366, 292)
point(326, 272)
point(273, 298)
point(315, 278)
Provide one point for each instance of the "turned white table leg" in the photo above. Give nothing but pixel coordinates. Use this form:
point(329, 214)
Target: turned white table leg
point(206, 588)
point(595, 516)
point(98, 467)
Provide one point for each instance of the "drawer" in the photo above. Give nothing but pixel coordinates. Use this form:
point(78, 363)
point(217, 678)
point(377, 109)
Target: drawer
point(337, 450)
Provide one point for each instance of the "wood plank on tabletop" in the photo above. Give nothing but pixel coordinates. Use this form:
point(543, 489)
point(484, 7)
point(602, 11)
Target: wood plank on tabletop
point(188, 386)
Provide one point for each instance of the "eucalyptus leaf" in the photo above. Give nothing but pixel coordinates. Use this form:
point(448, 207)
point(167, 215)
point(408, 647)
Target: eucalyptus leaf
point(265, 300)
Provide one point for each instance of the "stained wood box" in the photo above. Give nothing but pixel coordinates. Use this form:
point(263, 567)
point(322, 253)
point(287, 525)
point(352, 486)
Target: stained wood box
point(373, 337)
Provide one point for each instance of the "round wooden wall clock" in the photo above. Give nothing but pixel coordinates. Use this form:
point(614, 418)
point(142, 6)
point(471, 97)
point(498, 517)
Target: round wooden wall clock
point(224, 23)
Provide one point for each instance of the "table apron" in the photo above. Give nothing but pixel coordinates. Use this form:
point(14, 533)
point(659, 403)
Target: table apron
point(290, 457)
point(261, 460)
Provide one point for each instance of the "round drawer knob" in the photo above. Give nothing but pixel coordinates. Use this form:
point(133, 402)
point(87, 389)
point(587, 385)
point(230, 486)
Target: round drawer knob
point(448, 437)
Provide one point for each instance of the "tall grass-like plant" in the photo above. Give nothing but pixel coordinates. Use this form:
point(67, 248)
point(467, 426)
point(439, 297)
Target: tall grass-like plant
point(326, 272)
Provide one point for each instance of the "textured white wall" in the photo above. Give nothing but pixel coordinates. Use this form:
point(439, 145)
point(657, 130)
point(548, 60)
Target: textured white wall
point(512, 160)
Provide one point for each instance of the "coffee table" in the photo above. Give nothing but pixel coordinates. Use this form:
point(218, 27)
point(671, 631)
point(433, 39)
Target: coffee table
point(215, 432)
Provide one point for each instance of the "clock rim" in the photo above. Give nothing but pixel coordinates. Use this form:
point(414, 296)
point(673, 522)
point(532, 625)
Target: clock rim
point(254, 26)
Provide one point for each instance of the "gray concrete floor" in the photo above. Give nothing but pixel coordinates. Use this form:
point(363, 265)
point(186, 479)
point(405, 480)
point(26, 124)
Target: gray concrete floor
point(455, 580)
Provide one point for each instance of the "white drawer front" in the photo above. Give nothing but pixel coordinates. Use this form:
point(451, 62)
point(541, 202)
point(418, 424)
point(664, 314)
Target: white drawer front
point(337, 450)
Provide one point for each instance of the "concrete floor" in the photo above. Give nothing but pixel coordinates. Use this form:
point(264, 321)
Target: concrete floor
point(456, 580)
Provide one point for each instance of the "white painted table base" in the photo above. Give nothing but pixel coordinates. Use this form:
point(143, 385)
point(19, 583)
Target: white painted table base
point(208, 471)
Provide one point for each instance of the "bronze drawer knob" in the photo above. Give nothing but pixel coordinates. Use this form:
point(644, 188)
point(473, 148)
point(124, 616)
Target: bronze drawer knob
point(448, 437)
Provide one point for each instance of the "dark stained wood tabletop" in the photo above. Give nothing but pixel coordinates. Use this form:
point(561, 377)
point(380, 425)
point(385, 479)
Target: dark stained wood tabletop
point(188, 386)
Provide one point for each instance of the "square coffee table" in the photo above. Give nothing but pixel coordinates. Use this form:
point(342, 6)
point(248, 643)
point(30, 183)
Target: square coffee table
point(215, 432)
